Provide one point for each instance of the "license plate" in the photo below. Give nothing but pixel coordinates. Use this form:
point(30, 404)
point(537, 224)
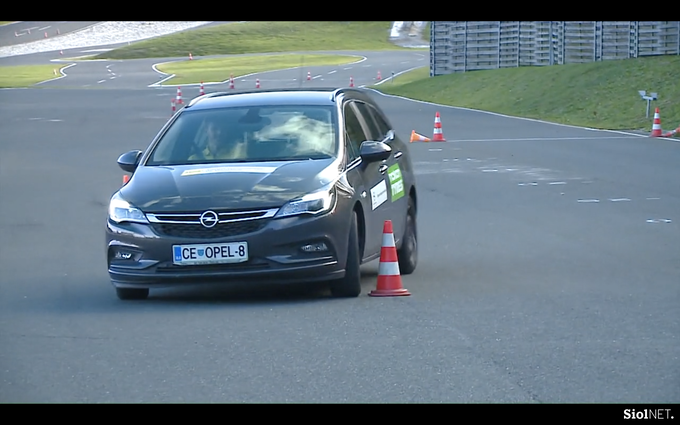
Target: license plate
point(218, 253)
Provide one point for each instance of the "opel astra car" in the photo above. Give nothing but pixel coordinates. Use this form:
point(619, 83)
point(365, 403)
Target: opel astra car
point(287, 186)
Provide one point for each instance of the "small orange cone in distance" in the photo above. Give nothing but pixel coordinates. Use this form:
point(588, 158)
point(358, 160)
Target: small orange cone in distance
point(389, 276)
point(126, 179)
point(656, 126)
point(415, 137)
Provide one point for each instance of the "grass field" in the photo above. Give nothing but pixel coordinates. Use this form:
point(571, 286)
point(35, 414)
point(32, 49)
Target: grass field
point(262, 37)
point(599, 95)
point(218, 70)
point(6, 22)
point(25, 76)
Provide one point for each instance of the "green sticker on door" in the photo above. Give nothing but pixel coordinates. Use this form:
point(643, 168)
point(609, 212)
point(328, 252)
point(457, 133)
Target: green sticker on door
point(396, 182)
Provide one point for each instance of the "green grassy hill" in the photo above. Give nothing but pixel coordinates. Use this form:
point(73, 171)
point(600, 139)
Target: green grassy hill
point(599, 94)
point(262, 37)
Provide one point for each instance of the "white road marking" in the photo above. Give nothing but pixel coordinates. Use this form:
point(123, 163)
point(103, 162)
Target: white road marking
point(588, 201)
point(332, 72)
point(112, 78)
point(619, 199)
point(658, 220)
point(553, 183)
point(45, 28)
point(490, 171)
point(316, 76)
point(435, 150)
point(347, 69)
point(653, 199)
point(527, 184)
point(100, 81)
point(55, 120)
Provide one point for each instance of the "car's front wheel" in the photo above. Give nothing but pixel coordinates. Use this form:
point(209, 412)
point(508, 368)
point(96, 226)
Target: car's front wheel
point(350, 285)
point(408, 253)
point(132, 293)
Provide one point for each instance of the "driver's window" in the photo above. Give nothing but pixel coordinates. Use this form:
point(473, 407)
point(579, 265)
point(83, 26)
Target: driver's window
point(354, 132)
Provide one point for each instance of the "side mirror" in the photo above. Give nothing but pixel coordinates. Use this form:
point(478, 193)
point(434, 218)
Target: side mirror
point(128, 161)
point(375, 151)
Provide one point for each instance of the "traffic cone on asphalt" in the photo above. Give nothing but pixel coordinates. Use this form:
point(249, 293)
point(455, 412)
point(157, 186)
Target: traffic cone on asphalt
point(438, 136)
point(231, 82)
point(179, 96)
point(309, 75)
point(257, 83)
point(202, 91)
point(656, 126)
point(379, 77)
point(172, 107)
point(351, 81)
point(415, 137)
point(389, 277)
point(45, 34)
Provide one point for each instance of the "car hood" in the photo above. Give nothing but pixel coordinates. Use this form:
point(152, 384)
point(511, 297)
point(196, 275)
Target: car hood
point(156, 189)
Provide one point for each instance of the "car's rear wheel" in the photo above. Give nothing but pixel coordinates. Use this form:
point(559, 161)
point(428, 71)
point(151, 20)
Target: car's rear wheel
point(350, 285)
point(132, 293)
point(408, 253)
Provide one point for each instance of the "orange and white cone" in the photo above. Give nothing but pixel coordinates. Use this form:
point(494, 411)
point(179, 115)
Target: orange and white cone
point(231, 82)
point(351, 81)
point(415, 137)
point(202, 91)
point(172, 107)
point(257, 83)
point(389, 276)
point(379, 77)
point(438, 136)
point(191, 57)
point(309, 75)
point(179, 96)
point(656, 126)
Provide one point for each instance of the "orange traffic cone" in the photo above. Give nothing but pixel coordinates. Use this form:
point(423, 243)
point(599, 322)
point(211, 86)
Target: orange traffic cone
point(656, 126)
point(415, 137)
point(178, 100)
point(389, 277)
point(202, 92)
point(191, 57)
point(438, 136)
point(351, 81)
point(257, 83)
point(231, 82)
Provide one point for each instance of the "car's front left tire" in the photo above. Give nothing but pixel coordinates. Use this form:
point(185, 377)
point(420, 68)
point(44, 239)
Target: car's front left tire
point(408, 253)
point(132, 293)
point(350, 285)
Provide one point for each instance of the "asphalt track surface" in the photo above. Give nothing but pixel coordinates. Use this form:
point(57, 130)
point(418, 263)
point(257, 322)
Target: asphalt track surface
point(28, 31)
point(549, 267)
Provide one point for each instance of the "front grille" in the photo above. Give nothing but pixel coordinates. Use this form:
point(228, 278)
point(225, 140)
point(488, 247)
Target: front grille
point(222, 230)
point(231, 223)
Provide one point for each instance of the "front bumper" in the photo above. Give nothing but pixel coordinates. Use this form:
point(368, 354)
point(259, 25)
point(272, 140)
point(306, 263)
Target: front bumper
point(145, 256)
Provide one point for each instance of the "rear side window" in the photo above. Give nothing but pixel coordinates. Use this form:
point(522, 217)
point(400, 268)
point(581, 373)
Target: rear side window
point(268, 133)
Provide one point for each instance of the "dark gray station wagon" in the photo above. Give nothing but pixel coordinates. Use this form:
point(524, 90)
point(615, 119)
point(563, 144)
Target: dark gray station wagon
point(268, 186)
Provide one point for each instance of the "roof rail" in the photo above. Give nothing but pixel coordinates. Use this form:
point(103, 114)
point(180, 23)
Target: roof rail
point(205, 96)
point(341, 90)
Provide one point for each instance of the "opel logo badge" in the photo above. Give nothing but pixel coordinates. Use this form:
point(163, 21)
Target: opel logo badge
point(209, 219)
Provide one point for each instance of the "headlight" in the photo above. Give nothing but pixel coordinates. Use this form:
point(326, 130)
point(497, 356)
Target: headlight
point(314, 203)
point(120, 210)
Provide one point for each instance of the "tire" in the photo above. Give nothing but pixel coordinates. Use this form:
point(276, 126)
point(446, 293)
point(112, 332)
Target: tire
point(350, 285)
point(132, 293)
point(408, 253)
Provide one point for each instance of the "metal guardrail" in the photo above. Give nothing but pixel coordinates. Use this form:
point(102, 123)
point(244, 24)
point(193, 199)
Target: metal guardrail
point(460, 46)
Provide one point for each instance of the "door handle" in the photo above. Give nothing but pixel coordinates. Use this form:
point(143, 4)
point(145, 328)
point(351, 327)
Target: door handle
point(383, 169)
point(398, 155)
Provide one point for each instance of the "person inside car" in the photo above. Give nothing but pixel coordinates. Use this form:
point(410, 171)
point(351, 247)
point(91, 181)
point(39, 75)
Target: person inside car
point(220, 145)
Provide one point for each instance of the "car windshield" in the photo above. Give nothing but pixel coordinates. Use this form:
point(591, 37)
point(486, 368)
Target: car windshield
point(248, 134)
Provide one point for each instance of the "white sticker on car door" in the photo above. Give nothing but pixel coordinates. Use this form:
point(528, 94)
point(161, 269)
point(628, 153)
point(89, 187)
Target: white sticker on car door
point(378, 194)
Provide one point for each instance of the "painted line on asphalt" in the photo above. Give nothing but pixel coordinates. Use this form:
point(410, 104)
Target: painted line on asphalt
point(160, 83)
point(61, 71)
